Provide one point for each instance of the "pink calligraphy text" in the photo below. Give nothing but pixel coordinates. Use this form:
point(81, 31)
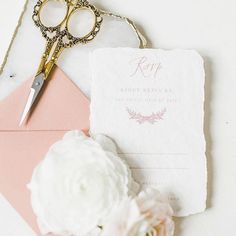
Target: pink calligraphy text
point(144, 67)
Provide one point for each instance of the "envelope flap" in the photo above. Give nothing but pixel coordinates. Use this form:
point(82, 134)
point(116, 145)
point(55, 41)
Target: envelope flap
point(62, 106)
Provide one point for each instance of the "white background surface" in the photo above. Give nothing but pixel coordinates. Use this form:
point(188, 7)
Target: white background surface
point(210, 27)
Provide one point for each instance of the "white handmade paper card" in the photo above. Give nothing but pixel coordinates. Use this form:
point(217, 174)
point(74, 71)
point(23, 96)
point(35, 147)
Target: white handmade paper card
point(151, 103)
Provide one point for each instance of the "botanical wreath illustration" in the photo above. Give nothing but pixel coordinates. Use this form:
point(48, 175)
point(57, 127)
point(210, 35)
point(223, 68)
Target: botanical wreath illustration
point(141, 119)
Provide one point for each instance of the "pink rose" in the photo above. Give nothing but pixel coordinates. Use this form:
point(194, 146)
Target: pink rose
point(147, 214)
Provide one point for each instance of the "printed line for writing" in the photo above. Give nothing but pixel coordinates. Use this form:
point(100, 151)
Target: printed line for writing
point(158, 168)
point(133, 153)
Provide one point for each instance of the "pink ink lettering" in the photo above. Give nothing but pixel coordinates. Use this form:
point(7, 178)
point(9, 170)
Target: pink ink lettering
point(146, 68)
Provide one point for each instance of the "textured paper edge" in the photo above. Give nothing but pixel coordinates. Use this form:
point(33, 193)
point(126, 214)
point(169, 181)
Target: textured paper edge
point(14, 36)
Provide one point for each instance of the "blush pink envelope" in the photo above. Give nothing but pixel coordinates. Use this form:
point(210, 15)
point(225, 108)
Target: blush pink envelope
point(61, 108)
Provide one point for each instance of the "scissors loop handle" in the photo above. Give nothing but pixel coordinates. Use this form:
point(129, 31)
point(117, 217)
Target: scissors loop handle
point(49, 33)
point(64, 37)
point(68, 40)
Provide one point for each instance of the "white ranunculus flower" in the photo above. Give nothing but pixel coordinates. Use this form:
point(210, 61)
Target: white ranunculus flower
point(78, 184)
point(148, 214)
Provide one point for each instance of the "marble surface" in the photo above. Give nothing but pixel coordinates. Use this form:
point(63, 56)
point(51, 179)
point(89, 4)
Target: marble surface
point(28, 46)
point(209, 27)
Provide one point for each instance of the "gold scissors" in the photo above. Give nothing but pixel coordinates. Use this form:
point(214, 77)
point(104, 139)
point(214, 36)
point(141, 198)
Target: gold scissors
point(58, 38)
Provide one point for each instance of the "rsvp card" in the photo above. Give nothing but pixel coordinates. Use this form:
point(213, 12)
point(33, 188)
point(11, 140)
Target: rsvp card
point(151, 103)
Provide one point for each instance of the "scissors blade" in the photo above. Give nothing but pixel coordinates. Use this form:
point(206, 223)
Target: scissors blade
point(34, 92)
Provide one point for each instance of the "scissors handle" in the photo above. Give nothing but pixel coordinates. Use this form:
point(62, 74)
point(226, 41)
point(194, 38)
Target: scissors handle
point(54, 33)
point(59, 37)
